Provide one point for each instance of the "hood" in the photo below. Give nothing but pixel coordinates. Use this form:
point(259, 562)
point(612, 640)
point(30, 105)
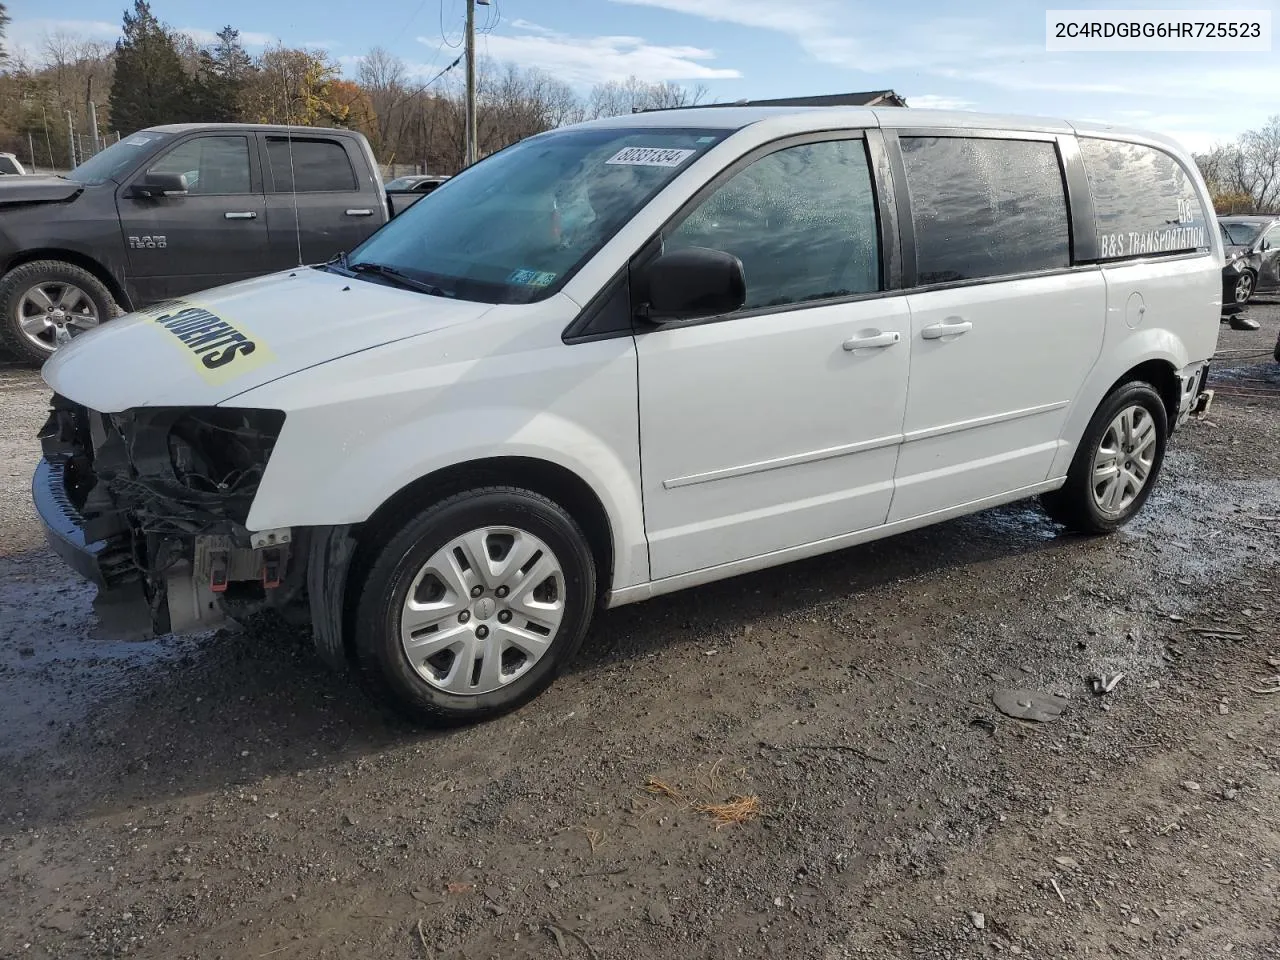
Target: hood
point(207, 348)
point(37, 190)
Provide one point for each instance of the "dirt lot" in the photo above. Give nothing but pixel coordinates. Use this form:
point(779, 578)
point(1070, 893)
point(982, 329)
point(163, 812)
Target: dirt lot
point(228, 797)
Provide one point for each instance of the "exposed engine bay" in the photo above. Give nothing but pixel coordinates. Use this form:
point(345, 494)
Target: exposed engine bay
point(163, 494)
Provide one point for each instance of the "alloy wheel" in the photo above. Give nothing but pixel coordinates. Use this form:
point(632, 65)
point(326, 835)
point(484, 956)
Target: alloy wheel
point(51, 313)
point(1124, 461)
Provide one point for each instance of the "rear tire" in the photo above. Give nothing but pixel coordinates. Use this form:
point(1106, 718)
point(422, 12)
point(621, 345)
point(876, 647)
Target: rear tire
point(1117, 463)
point(474, 606)
point(74, 300)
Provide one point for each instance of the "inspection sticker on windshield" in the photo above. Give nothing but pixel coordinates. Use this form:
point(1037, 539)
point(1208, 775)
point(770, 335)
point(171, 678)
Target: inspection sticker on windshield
point(531, 278)
point(651, 157)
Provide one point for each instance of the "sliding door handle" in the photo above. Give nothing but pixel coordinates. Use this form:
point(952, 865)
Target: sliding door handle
point(241, 215)
point(936, 331)
point(363, 212)
point(873, 341)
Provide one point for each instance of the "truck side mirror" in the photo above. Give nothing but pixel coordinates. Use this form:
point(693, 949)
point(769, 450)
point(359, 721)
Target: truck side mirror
point(155, 184)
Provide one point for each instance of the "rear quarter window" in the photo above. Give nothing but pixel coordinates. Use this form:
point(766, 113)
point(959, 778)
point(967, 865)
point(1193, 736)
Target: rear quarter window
point(1145, 203)
point(985, 207)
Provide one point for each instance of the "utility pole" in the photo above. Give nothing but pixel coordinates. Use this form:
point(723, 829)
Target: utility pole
point(31, 145)
point(71, 138)
point(471, 150)
point(470, 156)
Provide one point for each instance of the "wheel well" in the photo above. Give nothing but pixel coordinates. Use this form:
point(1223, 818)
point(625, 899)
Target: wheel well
point(79, 260)
point(1161, 375)
point(540, 476)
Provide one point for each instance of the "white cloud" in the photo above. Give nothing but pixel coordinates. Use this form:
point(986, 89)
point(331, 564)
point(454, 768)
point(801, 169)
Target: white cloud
point(582, 61)
point(528, 27)
point(811, 23)
point(933, 101)
point(248, 38)
point(26, 38)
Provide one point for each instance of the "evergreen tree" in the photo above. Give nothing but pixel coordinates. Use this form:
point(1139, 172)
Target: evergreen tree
point(224, 71)
point(150, 86)
point(4, 23)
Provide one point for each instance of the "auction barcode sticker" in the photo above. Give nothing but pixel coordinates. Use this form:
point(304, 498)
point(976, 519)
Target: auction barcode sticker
point(651, 157)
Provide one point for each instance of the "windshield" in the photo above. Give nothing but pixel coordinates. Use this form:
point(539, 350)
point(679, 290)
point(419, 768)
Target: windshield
point(516, 226)
point(118, 158)
point(1240, 233)
point(400, 183)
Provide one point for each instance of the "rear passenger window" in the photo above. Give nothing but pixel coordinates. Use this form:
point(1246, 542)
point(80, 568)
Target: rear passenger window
point(801, 220)
point(984, 207)
point(317, 166)
point(1145, 203)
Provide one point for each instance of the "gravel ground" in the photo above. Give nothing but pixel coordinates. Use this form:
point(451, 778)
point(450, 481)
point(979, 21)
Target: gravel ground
point(226, 797)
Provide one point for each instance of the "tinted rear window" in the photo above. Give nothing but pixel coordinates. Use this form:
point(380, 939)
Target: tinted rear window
point(1145, 203)
point(318, 166)
point(985, 207)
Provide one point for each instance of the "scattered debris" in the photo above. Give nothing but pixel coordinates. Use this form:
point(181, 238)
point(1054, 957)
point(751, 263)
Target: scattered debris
point(460, 887)
point(425, 897)
point(1190, 786)
point(1029, 704)
point(736, 810)
point(1057, 889)
point(978, 920)
point(1104, 683)
point(1069, 862)
point(984, 724)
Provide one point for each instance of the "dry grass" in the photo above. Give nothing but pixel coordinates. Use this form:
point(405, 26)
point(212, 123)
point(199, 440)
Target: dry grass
point(736, 810)
point(703, 796)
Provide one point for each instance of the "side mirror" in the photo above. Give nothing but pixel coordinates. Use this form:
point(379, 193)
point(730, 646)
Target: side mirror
point(155, 184)
point(1266, 245)
point(693, 283)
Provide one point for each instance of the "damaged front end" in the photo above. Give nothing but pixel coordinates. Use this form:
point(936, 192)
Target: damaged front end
point(155, 500)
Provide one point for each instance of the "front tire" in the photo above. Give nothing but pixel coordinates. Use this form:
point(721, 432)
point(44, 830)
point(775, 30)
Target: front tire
point(474, 606)
point(45, 303)
point(1116, 464)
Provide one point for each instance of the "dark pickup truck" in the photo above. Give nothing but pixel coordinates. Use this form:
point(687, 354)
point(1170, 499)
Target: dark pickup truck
point(171, 210)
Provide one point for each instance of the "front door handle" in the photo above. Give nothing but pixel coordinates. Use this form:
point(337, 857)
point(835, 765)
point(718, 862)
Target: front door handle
point(241, 215)
point(937, 331)
point(360, 213)
point(872, 342)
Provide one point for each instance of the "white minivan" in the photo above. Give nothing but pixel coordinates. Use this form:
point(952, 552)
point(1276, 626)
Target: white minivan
point(635, 355)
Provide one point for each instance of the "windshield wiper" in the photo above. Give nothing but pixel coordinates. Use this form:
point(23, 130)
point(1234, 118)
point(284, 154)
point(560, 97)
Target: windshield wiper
point(397, 277)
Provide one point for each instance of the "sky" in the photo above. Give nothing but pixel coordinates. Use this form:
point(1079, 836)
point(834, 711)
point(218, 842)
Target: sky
point(986, 55)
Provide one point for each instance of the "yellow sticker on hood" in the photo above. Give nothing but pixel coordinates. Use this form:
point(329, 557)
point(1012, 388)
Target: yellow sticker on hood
point(218, 349)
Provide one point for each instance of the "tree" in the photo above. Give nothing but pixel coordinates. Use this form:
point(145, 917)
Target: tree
point(150, 85)
point(382, 77)
point(1246, 173)
point(293, 86)
point(222, 75)
point(4, 25)
point(616, 98)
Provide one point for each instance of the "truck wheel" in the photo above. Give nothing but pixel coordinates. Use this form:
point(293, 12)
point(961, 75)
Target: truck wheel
point(45, 303)
point(1116, 464)
point(474, 606)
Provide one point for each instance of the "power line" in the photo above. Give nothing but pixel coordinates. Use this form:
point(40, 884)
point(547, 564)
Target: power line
point(443, 35)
